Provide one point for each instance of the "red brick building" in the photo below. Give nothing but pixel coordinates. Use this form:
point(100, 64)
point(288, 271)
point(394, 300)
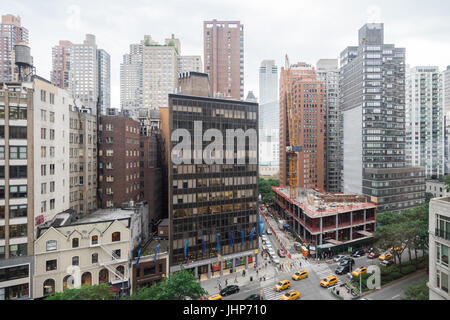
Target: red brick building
point(307, 98)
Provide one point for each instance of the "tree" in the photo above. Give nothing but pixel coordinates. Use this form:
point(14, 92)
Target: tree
point(182, 285)
point(447, 183)
point(87, 292)
point(265, 190)
point(417, 291)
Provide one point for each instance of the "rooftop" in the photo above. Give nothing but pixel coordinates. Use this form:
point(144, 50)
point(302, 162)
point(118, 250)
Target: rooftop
point(150, 248)
point(316, 202)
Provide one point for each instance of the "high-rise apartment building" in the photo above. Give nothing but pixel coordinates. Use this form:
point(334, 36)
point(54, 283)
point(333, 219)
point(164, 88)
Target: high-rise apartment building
point(104, 80)
point(131, 84)
point(223, 54)
point(307, 97)
point(328, 73)
point(372, 102)
point(83, 160)
point(190, 63)
point(212, 207)
point(88, 70)
point(439, 247)
point(446, 89)
point(60, 75)
point(269, 145)
point(446, 102)
point(425, 131)
point(11, 33)
point(159, 72)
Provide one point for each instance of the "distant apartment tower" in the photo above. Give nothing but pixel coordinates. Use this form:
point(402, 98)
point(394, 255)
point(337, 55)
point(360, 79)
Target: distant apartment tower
point(269, 145)
point(60, 75)
point(11, 33)
point(159, 72)
point(425, 131)
point(212, 207)
point(223, 53)
point(439, 247)
point(308, 99)
point(83, 160)
point(104, 80)
point(328, 73)
point(372, 102)
point(446, 102)
point(190, 63)
point(131, 84)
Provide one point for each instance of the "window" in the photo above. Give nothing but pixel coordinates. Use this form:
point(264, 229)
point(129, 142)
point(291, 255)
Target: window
point(43, 170)
point(75, 243)
point(52, 169)
point(43, 188)
point(17, 113)
point(52, 117)
point(43, 115)
point(43, 133)
point(2, 212)
point(52, 186)
point(149, 270)
point(2, 152)
point(43, 206)
point(116, 236)
point(2, 192)
point(17, 192)
point(52, 134)
point(18, 250)
point(2, 172)
point(52, 204)
point(14, 273)
point(116, 253)
point(43, 152)
point(43, 95)
point(17, 172)
point(76, 261)
point(18, 231)
point(95, 258)
point(51, 265)
point(51, 245)
point(19, 211)
point(16, 132)
point(94, 239)
point(52, 98)
point(17, 152)
point(2, 112)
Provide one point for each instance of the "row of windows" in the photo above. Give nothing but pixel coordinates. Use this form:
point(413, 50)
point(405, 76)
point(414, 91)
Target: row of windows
point(14, 192)
point(15, 113)
point(15, 132)
point(52, 245)
point(15, 231)
point(15, 172)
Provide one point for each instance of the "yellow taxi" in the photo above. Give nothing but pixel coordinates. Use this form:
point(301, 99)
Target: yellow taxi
point(397, 248)
point(359, 272)
point(215, 297)
point(386, 256)
point(282, 285)
point(329, 281)
point(300, 275)
point(291, 295)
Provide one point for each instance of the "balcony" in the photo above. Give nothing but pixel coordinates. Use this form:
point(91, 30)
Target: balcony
point(442, 234)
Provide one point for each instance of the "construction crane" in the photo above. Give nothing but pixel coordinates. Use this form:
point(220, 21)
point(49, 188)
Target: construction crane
point(293, 120)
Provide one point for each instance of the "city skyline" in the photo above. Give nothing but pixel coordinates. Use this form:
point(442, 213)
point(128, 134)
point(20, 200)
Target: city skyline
point(72, 21)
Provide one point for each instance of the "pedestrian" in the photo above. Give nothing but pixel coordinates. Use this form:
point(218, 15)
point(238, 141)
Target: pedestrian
point(264, 278)
point(300, 264)
point(257, 271)
point(226, 282)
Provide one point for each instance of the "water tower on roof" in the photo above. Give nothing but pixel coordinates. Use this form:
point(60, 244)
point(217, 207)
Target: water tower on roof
point(24, 61)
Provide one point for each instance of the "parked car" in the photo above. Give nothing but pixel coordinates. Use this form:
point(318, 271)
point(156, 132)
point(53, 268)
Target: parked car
point(291, 295)
point(254, 297)
point(343, 269)
point(338, 258)
point(373, 255)
point(386, 263)
point(215, 297)
point(282, 285)
point(329, 281)
point(281, 253)
point(358, 253)
point(269, 232)
point(271, 252)
point(275, 260)
point(298, 246)
point(229, 290)
point(347, 261)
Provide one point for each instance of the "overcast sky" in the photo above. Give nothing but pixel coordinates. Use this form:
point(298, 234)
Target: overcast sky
point(306, 30)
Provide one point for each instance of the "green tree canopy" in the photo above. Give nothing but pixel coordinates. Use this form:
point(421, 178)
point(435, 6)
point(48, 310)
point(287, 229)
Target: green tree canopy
point(96, 292)
point(265, 190)
point(417, 291)
point(181, 285)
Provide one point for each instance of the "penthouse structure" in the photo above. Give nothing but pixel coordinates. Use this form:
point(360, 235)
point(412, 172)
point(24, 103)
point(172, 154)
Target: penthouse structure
point(323, 220)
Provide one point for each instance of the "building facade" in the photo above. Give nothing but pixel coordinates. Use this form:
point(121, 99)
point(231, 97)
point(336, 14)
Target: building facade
point(104, 80)
point(439, 246)
point(131, 84)
point(83, 161)
point(328, 73)
point(437, 189)
point(269, 145)
point(307, 99)
point(190, 63)
point(17, 172)
point(212, 207)
point(425, 130)
point(223, 53)
point(60, 75)
point(372, 102)
point(11, 33)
